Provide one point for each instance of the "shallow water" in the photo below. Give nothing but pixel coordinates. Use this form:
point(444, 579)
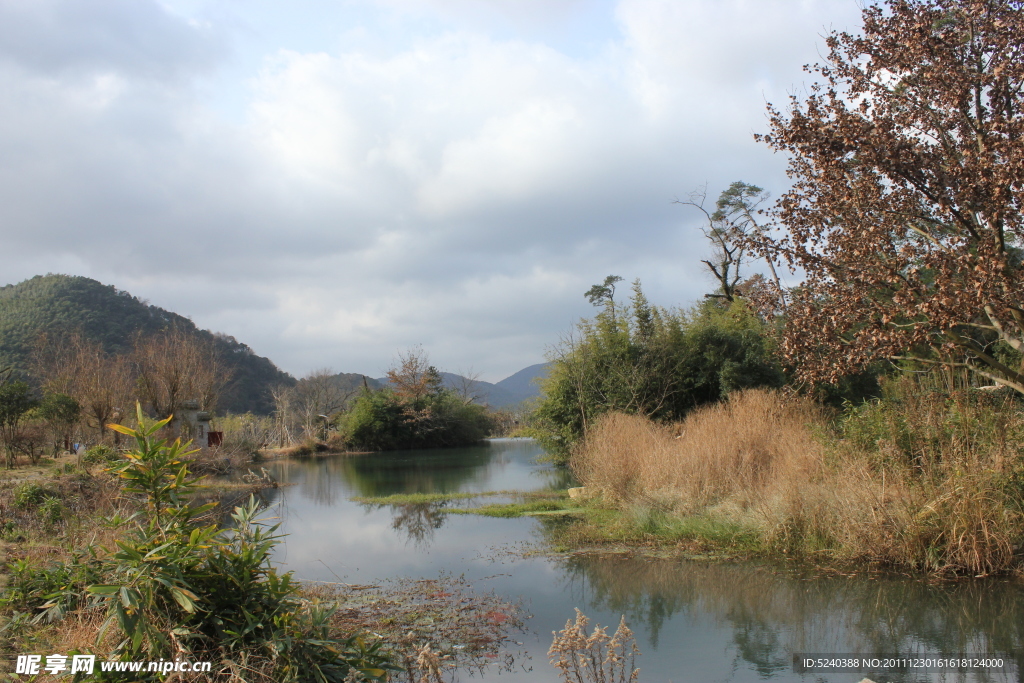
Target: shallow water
point(694, 621)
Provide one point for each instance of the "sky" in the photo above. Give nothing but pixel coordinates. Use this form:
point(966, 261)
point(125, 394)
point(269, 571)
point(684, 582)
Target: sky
point(333, 182)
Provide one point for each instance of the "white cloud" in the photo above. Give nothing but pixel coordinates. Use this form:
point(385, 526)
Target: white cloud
point(460, 189)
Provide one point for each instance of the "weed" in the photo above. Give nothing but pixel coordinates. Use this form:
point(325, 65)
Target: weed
point(29, 495)
point(596, 658)
point(51, 510)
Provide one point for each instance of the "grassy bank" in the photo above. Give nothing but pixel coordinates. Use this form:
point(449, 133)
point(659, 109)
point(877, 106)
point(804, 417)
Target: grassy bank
point(926, 478)
point(522, 502)
point(140, 565)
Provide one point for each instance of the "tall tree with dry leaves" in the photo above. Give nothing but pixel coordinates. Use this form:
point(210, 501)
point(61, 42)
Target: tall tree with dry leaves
point(413, 377)
point(907, 162)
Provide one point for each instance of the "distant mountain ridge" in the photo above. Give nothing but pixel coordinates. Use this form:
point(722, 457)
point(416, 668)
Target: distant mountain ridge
point(509, 392)
point(64, 304)
point(524, 385)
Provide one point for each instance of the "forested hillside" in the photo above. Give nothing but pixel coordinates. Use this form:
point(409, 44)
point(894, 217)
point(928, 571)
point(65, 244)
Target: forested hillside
point(57, 305)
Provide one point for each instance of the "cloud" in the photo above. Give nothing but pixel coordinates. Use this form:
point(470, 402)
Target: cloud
point(136, 37)
point(459, 190)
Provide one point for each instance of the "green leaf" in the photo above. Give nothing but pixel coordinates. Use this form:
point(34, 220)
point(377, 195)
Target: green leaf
point(184, 598)
point(121, 428)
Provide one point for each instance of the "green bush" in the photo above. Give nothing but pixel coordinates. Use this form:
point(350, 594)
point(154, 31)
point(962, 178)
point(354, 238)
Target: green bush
point(9, 531)
point(919, 420)
point(101, 455)
point(651, 361)
point(51, 510)
point(382, 420)
point(179, 587)
point(29, 495)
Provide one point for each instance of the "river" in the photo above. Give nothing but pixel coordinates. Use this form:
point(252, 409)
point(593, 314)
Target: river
point(694, 621)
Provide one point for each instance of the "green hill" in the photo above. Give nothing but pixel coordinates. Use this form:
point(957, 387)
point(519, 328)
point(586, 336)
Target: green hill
point(61, 304)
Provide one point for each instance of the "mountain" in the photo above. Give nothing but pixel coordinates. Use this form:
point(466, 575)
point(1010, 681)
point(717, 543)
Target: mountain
point(351, 381)
point(507, 393)
point(62, 304)
point(521, 385)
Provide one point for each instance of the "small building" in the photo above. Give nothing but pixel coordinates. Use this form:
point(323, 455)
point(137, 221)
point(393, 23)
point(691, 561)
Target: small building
point(194, 424)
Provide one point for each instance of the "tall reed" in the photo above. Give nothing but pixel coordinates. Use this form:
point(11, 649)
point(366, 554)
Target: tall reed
point(922, 478)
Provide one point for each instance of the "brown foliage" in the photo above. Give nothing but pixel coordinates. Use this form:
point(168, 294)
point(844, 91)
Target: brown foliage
point(80, 368)
point(174, 367)
point(414, 377)
point(759, 461)
point(908, 171)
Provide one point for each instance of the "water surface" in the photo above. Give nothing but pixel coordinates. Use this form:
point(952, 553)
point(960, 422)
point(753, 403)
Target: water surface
point(694, 621)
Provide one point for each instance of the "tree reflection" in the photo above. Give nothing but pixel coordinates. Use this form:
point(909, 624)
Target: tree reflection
point(774, 613)
point(418, 521)
point(328, 480)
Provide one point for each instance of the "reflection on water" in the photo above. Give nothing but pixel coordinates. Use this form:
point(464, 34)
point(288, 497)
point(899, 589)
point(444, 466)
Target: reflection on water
point(775, 612)
point(418, 521)
point(694, 621)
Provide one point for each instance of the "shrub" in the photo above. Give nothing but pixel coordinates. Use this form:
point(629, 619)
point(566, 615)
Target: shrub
point(178, 587)
point(921, 420)
point(51, 510)
point(101, 455)
point(29, 495)
point(383, 420)
point(650, 361)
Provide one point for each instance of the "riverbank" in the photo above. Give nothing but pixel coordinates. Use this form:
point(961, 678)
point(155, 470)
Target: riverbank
point(63, 526)
point(924, 479)
point(918, 481)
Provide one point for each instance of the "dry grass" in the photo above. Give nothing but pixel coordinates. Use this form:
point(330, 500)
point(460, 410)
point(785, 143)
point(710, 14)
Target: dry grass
point(731, 452)
point(596, 658)
point(761, 460)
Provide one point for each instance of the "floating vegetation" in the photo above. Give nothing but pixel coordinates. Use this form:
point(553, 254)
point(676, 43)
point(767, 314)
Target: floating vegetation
point(435, 505)
point(463, 628)
point(423, 498)
point(520, 509)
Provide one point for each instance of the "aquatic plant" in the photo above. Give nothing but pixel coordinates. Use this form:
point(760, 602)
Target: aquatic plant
point(594, 658)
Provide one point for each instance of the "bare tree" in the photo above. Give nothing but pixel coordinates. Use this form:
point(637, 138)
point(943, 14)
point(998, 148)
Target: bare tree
point(730, 229)
point(176, 366)
point(317, 397)
point(282, 396)
point(467, 386)
point(78, 367)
